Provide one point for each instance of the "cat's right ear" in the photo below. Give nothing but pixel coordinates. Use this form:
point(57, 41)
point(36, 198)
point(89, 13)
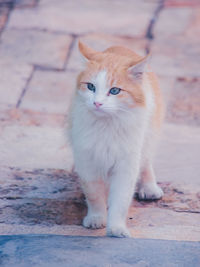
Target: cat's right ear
point(137, 69)
point(86, 51)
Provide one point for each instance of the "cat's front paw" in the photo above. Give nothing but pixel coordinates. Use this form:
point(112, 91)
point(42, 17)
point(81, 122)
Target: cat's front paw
point(118, 231)
point(150, 191)
point(94, 221)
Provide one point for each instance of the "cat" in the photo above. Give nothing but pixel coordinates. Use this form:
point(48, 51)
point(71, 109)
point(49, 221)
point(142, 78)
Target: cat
point(116, 116)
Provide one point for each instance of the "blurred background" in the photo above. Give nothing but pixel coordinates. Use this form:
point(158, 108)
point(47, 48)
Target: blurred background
point(39, 62)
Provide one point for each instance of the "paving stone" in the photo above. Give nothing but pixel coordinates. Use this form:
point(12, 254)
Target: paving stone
point(41, 197)
point(176, 57)
point(50, 92)
point(100, 42)
point(113, 17)
point(34, 147)
point(24, 117)
point(61, 251)
point(184, 102)
point(192, 30)
point(175, 47)
point(167, 25)
point(181, 3)
point(178, 155)
point(13, 78)
point(150, 217)
point(39, 47)
point(179, 198)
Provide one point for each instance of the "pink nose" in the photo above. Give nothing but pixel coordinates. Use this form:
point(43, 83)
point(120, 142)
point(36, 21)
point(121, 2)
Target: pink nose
point(97, 104)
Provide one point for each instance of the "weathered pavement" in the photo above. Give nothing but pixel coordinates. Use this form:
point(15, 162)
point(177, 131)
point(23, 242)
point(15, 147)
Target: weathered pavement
point(62, 251)
point(39, 62)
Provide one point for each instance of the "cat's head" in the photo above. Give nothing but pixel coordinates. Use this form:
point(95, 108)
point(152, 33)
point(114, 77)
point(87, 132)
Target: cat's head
point(112, 80)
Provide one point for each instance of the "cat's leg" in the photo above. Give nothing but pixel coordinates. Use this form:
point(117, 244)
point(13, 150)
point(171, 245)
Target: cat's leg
point(147, 186)
point(122, 185)
point(94, 191)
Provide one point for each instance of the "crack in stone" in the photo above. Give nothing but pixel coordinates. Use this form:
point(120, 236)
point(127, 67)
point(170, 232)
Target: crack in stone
point(56, 32)
point(9, 5)
point(25, 88)
point(64, 68)
point(187, 211)
point(74, 37)
point(26, 4)
point(46, 68)
point(149, 32)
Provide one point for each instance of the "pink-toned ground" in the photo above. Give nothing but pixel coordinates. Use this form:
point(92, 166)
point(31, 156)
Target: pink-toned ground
point(38, 68)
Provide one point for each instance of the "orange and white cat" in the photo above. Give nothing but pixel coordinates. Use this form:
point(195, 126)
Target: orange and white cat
point(116, 117)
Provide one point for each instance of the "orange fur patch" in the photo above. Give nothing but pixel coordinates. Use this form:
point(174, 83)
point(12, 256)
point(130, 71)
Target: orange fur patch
point(158, 115)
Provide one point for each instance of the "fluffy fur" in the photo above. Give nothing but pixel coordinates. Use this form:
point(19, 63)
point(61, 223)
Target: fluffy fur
point(113, 141)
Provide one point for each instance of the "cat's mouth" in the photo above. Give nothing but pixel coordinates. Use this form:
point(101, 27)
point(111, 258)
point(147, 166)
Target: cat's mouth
point(99, 111)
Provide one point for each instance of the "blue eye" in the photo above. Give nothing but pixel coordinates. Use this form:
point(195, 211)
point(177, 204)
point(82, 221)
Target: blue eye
point(114, 91)
point(91, 87)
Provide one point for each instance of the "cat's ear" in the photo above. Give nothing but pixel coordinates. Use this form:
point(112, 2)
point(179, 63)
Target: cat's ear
point(137, 69)
point(86, 51)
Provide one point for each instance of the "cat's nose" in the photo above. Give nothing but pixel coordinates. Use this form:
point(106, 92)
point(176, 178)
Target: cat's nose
point(97, 104)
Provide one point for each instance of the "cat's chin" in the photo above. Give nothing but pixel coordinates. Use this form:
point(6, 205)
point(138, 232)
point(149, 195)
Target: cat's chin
point(99, 112)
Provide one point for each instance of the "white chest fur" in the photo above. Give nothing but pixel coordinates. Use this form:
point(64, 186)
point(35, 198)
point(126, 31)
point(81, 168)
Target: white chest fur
point(101, 142)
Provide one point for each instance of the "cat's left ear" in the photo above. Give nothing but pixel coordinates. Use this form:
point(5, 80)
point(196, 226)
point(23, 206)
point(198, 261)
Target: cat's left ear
point(86, 51)
point(138, 68)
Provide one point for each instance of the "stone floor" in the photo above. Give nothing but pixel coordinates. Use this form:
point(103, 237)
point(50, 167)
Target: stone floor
point(39, 62)
point(62, 251)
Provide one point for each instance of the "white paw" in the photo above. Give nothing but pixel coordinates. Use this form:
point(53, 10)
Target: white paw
point(150, 191)
point(94, 221)
point(118, 231)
